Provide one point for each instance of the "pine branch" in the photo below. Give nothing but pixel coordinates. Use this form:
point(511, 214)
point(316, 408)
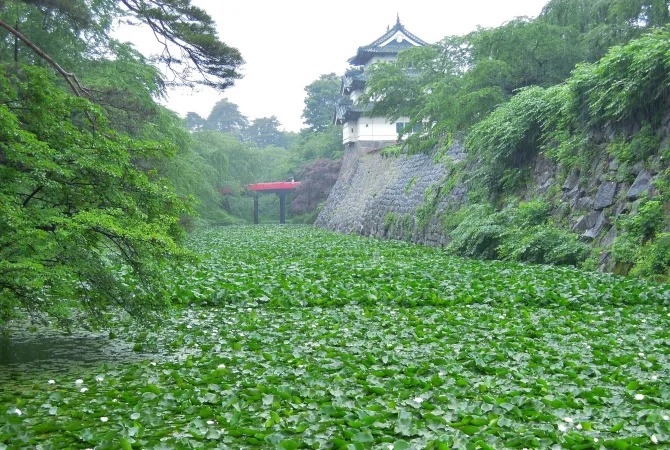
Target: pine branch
point(70, 78)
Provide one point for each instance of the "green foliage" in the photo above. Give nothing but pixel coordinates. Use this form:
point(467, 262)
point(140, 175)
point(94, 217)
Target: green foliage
point(627, 84)
point(654, 261)
point(643, 247)
point(543, 244)
point(643, 144)
point(410, 184)
point(190, 41)
point(428, 209)
point(518, 233)
point(392, 151)
point(649, 220)
point(265, 132)
point(126, 87)
point(505, 142)
point(399, 345)
point(81, 225)
point(225, 117)
point(320, 100)
point(75, 31)
point(564, 139)
point(478, 233)
point(317, 179)
point(603, 24)
point(532, 52)
point(311, 146)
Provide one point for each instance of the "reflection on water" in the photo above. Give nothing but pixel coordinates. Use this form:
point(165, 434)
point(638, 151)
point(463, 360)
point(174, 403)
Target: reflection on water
point(47, 353)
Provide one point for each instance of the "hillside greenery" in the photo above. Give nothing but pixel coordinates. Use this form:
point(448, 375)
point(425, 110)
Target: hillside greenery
point(582, 81)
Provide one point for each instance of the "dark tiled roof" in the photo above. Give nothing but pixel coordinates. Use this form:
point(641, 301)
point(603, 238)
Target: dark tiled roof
point(365, 53)
point(352, 81)
point(346, 111)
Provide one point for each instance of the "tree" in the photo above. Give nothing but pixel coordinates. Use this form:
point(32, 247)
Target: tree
point(603, 24)
point(80, 225)
point(87, 219)
point(186, 33)
point(265, 131)
point(226, 118)
point(317, 179)
point(534, 53)
point(320, 100)
point(189, 39)
point(312, 145)
point(194, 122)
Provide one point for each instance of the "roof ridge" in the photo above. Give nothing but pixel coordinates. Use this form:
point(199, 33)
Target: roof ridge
point(390, 32)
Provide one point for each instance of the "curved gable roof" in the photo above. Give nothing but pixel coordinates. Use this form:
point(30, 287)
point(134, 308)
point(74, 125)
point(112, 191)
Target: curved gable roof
point(392, 42)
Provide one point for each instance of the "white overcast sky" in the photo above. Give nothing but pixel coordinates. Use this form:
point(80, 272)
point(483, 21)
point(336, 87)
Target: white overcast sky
point(287, 44)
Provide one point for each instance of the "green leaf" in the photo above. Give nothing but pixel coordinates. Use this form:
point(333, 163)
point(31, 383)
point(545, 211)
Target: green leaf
point(363, 437)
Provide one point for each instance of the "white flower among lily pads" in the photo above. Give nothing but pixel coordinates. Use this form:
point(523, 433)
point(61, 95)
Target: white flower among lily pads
point(78, 381)
point(418, 400)
point(17, 411)
point(99, 378)
point(562, 427)
point(84, 389)
point(654, 439)
point(639, 396)
point(666, 417)
point(104, 419)
point(567, 419)
point(51, 381)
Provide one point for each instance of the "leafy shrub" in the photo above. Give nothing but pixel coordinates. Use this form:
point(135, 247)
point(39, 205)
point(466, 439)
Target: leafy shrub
point(625, 249)
point(530, 213)
point(477, 233)
point(544, 244)
point(392, 151)
point(654, 258)
point(629, 83)
point(649, 219)
point(643, 144)
point(318, 178)
point(505, 142)
point(643, 248)
point(519, 233)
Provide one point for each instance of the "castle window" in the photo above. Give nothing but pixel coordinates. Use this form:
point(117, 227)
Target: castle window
point(399, 126)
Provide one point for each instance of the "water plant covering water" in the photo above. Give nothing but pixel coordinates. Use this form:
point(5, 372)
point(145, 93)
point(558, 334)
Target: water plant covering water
point(293, 337)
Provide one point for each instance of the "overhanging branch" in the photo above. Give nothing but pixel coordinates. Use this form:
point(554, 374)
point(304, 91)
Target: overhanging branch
point(70, 78)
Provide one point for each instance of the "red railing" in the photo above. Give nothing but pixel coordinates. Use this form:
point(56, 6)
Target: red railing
point(274, 186)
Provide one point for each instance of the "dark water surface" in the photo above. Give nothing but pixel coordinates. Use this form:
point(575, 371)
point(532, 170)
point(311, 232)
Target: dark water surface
point(48, 353)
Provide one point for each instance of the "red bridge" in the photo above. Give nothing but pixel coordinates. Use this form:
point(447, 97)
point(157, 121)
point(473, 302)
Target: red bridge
point(277, 187)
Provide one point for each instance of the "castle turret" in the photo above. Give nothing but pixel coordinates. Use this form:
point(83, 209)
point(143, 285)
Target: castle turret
point(357, 125)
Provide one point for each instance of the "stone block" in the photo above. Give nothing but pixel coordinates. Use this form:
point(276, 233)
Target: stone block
point(641, 184)
point(587, 221)
point(571, 181)
point(605, 195)
point(594, 231)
